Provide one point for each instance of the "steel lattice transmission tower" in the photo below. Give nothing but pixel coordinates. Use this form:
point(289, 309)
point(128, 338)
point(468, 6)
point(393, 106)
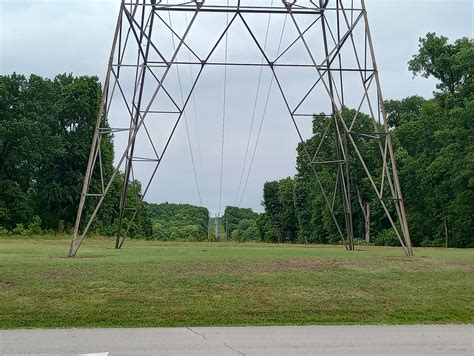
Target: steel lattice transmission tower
point(331, 44)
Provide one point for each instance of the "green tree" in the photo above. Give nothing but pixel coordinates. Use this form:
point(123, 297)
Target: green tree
point(233, 217)
point(265, 228)
point(278, 200)
point(315, 221)
point(178, 221)
point(273, 208)
point(403, 111)
point(435, 147)
point(450, 63)
point(46, 129)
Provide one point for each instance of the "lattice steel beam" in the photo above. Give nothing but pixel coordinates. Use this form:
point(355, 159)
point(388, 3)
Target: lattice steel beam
point(339, 22)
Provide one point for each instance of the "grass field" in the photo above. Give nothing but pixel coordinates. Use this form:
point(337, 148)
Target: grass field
point(195, 284)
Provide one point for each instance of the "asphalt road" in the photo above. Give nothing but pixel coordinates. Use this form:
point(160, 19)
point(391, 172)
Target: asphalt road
point(298, 340)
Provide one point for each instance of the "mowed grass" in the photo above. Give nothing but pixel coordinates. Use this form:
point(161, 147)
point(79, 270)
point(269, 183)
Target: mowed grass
point(195, 284)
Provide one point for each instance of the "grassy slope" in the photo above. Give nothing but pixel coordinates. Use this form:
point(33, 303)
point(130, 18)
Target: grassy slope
point(177, 284)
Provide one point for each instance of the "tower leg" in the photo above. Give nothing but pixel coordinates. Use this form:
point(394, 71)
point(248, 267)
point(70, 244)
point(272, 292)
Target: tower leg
point(141, 72)
point(397, 194)
point(341, 150)
point(76, 238)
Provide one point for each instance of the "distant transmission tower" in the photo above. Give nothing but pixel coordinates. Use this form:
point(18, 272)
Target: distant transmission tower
point(328, 41)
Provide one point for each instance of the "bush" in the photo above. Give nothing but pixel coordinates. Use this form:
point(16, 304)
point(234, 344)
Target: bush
point(432, 243)
point(61, 227)
point(387, 237)
point(34, 228)
point(19, 230)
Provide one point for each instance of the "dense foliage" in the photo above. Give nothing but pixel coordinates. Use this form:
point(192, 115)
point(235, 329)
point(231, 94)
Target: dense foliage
point(296, 209)
point(240, 224)
point(434, 142)
point(46, 129)
point(179, 221)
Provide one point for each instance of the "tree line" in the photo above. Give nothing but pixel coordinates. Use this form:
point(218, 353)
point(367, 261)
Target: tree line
point(46, 128)
point(179, 222)
point(434, 143)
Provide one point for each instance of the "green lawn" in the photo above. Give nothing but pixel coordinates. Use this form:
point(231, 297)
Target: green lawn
point(195, 284)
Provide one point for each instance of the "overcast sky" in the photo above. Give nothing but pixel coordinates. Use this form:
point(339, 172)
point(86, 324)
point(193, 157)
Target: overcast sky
point(48, 37)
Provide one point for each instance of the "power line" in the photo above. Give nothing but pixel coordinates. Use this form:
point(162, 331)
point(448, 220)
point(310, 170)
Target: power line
point(185, 119)
point(254, 108)
point(198, 140)
point(224, 108)
point(263, 116)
